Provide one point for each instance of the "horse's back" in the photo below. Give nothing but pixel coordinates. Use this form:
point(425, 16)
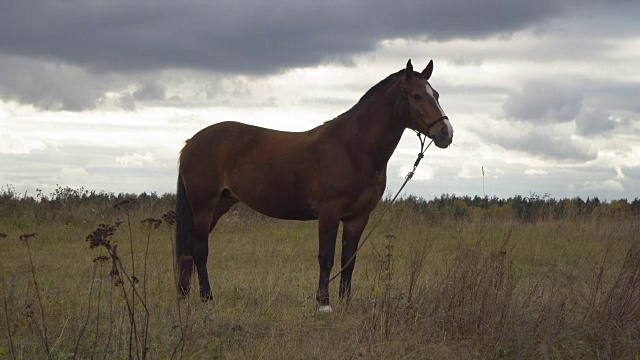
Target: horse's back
point(241, 134)
point(260, 167)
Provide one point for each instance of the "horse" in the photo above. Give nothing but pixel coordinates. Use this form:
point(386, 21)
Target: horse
point(333, 173)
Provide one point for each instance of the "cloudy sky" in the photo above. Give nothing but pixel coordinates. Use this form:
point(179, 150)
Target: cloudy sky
point(544, 95)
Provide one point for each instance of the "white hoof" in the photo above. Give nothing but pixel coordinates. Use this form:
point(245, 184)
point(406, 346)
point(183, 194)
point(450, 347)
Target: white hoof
point(325, 309)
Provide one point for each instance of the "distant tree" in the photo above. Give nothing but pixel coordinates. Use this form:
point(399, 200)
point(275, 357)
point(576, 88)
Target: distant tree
point(619, 208)
point(635, 207)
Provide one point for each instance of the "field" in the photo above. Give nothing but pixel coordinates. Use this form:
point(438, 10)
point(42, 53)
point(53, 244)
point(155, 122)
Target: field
point(437, 280)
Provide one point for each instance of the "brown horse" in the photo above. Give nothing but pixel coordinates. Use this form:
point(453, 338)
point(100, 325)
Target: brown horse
point(334, 173)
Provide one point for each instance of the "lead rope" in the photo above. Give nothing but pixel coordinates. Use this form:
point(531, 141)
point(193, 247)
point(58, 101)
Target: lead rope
point(406, 180)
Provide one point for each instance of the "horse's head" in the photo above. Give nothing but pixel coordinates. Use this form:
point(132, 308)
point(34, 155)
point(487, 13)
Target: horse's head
point(425, 114)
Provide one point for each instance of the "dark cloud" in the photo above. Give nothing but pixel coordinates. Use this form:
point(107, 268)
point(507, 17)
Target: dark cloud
point(242, 37)
point(69, 54)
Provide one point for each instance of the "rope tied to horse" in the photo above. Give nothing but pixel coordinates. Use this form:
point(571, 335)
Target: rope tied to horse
point(408, 177)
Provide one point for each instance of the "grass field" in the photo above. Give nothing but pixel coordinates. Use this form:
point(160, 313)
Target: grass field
point(423, 288)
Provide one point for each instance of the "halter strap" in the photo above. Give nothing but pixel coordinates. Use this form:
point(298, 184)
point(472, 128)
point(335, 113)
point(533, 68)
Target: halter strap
point(440, 119)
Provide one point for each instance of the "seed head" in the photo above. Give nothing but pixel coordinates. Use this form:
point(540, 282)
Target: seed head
point(101, 258)
point(126, 204)
point(170, 217)
point(152, 222)
point(101, 236)
point(25, 237)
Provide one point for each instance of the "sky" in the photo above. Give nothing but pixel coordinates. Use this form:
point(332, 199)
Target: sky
point(543, 95)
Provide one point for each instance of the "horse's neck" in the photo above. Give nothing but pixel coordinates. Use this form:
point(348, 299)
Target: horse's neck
point(375, 127)
point(383, 135)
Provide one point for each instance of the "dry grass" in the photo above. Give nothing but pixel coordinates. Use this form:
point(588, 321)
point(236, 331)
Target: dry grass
point(446, 290)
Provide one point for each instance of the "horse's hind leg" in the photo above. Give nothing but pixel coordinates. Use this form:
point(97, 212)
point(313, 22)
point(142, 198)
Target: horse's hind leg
point(201, 247)
point(223, 205)
point(203, 209)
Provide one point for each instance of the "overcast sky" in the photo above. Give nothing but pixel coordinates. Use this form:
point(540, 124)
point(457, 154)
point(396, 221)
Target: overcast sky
point(544, 95)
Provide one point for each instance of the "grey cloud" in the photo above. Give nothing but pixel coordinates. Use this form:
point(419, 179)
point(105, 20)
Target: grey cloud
point(593, 122)
point(149, 90)
point(562, 180)
point(78, 165)
point(327, 100)
point(190, 120)
point(632, 172)
point(545, 101)
point(54, 87)
point(591, 103)
point(544, 143)
point(50, 86)
point(62, 156)
point(622, 96)
point(144, 91)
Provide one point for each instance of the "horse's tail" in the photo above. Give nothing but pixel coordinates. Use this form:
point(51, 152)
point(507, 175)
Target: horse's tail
point(184, 238)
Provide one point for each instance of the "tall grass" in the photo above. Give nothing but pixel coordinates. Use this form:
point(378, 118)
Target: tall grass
point(485, 285)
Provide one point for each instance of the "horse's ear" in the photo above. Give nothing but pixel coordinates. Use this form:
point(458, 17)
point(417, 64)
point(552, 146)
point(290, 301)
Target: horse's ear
point(428, 70)
point(408, 72)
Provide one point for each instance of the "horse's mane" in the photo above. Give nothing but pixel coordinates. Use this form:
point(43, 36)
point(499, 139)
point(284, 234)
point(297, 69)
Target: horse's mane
point(382, 84)
point(374, 89)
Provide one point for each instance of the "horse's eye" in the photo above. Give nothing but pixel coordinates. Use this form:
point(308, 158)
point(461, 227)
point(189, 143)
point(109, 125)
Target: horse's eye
point(417, 96)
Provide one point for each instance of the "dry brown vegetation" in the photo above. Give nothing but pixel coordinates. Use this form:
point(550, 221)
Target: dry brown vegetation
point(481, 286)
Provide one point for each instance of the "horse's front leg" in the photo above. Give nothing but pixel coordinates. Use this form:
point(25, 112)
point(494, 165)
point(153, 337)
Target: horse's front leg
point(351, 233)
point(327, 231)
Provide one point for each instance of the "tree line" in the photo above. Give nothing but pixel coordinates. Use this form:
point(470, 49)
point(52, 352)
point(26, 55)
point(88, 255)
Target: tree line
point(69, 202)
point(530, 208)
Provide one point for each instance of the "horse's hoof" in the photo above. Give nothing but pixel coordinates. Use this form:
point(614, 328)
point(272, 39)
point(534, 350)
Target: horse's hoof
point(206, 297)
point(183, 293)
point(325, 309)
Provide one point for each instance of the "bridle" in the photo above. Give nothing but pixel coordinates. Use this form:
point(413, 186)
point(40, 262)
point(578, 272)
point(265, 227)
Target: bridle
point(440, 119)
point(429, 126)
point(422, 148)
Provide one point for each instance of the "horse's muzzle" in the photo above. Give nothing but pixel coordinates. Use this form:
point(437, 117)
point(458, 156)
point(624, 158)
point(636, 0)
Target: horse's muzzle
point(443, 143)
